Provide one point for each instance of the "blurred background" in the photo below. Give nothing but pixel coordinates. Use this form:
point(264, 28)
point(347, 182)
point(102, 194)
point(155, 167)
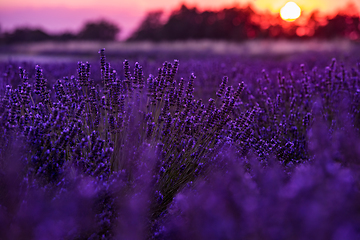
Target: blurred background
point(57, 30)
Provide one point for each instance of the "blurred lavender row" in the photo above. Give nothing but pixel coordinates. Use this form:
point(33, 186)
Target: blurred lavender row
point(218, 147)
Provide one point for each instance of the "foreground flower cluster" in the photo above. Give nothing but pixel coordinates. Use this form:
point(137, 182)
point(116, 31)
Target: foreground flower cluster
point(135, 157)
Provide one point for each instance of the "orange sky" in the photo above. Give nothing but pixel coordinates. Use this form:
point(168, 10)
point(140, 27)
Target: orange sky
point(58, 15)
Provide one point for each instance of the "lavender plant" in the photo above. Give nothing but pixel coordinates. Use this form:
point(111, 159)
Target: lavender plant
point(150, 159)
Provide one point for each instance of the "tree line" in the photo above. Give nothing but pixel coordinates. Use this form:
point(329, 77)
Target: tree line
point(101, 30)
point(240, 24)
point(235, 24)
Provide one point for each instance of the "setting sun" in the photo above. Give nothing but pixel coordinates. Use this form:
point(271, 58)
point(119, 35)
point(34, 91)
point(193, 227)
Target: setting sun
point(290, 12)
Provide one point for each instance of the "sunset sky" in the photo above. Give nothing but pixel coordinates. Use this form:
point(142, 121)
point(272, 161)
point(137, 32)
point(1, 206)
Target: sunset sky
point(60, 15)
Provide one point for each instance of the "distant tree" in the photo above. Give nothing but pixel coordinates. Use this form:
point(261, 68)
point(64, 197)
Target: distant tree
point(182, 24)
point(20, 35)
point(1, 36)
point(100, 30)
point(340, 26)
point(150, 28)
point(66, 36)
point(189, 23)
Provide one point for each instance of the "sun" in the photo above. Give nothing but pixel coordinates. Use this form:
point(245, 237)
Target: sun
point(290, 12)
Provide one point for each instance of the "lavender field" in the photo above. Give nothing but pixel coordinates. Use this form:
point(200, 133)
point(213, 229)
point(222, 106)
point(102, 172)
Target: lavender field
point(181, 145)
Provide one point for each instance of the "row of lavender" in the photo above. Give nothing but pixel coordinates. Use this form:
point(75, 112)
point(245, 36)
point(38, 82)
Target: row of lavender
point(142, 157)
